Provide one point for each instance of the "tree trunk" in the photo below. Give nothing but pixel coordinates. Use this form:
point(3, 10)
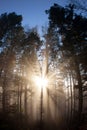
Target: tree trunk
point(80, 90)
point(4, 95)
point(25, 101)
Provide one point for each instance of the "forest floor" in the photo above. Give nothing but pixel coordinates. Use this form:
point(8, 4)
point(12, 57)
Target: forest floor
point(18, 122)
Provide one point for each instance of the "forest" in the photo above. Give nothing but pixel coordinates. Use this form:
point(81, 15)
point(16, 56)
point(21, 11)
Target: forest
point(43, 81)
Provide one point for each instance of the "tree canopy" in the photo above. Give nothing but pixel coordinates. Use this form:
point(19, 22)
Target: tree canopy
point(60, 58)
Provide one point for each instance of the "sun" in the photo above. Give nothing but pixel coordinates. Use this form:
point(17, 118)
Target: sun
point(41, 82)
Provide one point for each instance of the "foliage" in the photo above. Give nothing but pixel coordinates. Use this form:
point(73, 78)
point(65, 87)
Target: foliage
point(61, 58)
point(72, 50)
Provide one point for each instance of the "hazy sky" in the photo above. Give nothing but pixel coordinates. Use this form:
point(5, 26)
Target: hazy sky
point(33, 11)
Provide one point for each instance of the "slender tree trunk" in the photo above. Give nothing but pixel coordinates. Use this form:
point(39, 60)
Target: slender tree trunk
point(80, 95)
point(20, 98)
point(3, 100)
point(71, 97)
point(25, 101)
point(4, 95)
point(74, 99)
point(80, 90)
point(68, 103)
point(48, 109)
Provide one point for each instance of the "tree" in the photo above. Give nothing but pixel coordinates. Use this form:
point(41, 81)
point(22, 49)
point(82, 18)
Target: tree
point(9, 25)
point(80, 5)
point(73, 35)
point(9, 21)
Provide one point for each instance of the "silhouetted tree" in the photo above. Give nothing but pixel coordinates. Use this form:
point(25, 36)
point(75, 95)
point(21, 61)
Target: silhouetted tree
point(70, 28)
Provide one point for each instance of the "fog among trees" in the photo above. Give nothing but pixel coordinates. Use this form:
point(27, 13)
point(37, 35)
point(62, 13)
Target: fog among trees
point(58, 59)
